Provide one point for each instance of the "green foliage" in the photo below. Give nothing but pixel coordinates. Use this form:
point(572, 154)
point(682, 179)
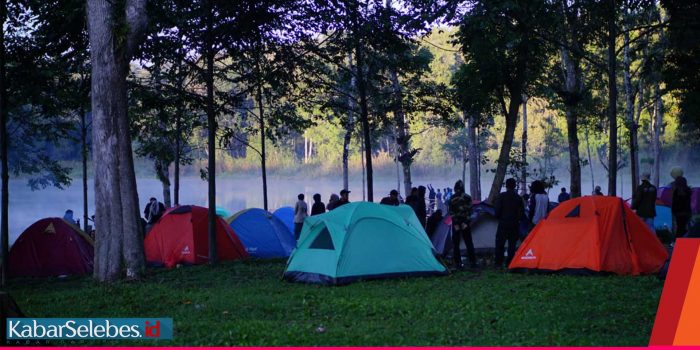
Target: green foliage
point(246, 304)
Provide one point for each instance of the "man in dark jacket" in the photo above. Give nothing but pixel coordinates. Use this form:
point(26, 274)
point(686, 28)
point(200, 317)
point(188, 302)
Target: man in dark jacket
point(510, 208)
point(421, 209)
point(461, 211)
point(644, 201)
point(154, 210)
point(393, 198)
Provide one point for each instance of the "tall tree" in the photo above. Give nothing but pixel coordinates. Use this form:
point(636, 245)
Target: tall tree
point(499, 43)
point(115, 31)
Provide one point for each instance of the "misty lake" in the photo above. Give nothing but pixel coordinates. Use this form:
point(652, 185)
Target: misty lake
point(233, 194)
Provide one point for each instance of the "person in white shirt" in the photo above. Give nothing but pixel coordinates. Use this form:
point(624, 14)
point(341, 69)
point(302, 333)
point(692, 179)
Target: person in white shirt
point(301, 211)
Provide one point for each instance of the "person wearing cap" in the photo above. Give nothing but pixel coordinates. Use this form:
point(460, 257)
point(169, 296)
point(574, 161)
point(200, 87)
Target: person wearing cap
point(510, 208)
point(460, 208)
point(393, 198)
point(344, 198)
point(644, 201)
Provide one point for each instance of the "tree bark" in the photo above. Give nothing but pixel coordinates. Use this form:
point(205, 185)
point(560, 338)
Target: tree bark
point(176, 176)
point(84, 155)
point(4, 222)
point(571, 94)
point(474, 185)
point(403, 139)
point(657, 125)
point(117, 210)
point(523, 180)
point(504, 156)
point(629, 112)
point(163, 174)
point(364, 119)
point(612, 99)
point(211, 131)
point(263, 157)
point(350, 125)
point(590, 160)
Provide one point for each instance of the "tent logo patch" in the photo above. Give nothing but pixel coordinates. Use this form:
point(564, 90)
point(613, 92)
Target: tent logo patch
point(530, 255)
point(185, 250)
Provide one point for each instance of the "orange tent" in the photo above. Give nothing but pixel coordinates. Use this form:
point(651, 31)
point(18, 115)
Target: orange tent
point(181, 236)
point(594, 234)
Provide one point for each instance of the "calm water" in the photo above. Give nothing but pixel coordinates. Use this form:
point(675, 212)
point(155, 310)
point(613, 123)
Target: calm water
point(233, 194)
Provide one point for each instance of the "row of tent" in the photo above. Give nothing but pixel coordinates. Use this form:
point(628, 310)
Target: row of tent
point(361, 240)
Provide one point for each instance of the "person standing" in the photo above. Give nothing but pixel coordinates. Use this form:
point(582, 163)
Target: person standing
point(68, 216)
point(318, 207)
point(431, 200)
point(598, 191)
point(301, 211)
point(564, 196)
point(509, 207)
point(438, 198)
point(539, 202)
point(421, 210)
point(644, 201)
point(344, 198)
point(393, 199)
point(461, 212)
point(332, 202)
point(680, 205)
point(154, 210)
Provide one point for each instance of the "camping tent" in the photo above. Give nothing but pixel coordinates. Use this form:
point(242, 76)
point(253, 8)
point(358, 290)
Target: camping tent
point(664, 218)
point(222, 212)
point(483, 224)
point(51, 247)
point(362, 240)
point(263, 235)
point(181, 236)
point(665, 195)
point(591, 234)
point(286, 214)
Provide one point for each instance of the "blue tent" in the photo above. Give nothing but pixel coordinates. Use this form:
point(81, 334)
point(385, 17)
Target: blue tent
point(664, 218)
point(286, 214)
point(263, 235)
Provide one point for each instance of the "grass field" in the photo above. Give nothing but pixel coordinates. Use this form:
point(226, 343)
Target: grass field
point(246, 303)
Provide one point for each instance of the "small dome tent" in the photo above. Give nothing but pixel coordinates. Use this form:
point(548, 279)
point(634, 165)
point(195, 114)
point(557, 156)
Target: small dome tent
point(181, 236)
point(51, 247)
point(360, 241)
point(591, 234)
point(263, 235)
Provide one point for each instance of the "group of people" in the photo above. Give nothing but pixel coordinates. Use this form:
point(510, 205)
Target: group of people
point(644, 202)
point(301, 209)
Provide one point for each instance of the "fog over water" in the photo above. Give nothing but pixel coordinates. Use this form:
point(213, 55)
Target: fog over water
point(240, 192)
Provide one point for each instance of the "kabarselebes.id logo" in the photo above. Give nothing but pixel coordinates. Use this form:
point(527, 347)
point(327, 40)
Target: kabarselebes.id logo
point(89, 328)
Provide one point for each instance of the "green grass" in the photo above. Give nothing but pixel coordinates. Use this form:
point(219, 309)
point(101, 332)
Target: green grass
point(246, 303)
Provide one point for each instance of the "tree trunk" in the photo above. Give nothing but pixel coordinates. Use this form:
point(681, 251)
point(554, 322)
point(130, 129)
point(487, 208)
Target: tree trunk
point(349, 126)
point(572, 88)
point(4, 225)
point(84, 155)
point(504, 156)
point(612, 99)
point(364, 118)
point(403, 139)
point(263, 156)
point(211, 132)
point(474, 185)
point(629, 112)
point(117, 210)
point(523, 175)
point(362, 161)
point(657, 125)
point(590, 160)
point(178, 149)
point(163, 174)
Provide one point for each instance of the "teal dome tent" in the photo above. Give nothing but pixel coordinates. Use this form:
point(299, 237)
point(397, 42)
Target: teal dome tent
point(360, 241)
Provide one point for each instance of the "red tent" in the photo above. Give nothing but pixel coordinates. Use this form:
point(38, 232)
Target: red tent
point(181, 236)
point(51, 247)
point(595, 233)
